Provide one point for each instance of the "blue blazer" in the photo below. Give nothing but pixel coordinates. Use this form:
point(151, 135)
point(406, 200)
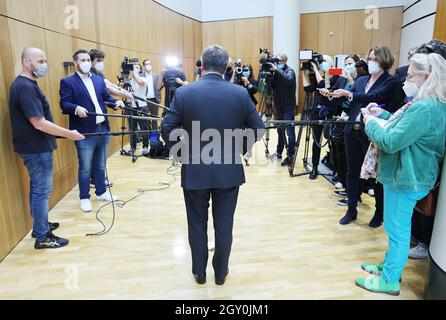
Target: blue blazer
point(74, 93)
point(218, 105)
point(386, 90)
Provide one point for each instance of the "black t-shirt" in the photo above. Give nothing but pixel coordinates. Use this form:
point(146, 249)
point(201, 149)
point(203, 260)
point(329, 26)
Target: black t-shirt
point(26, 101)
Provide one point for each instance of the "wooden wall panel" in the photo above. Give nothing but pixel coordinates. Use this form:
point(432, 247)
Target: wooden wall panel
point(143, 29)
point(440, 21)
point(331, 32)
point(56, 21)
point(247, 38)
point(14, 217)
point(349, 33)
point(30, 11)
point(309, 24)
point(389, 30)
point(2, 7)
point(357, 37)
point(222, 33)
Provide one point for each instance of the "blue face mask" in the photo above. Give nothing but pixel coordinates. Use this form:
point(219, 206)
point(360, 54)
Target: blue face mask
point(325, 66)
point(246, 74)
point(351, 69)
point(281, 66)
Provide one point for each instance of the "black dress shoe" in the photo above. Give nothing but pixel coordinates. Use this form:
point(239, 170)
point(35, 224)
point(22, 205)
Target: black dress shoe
point(221, 281)
point(313, 175)
point(53, 226)
point(349, 217)
point(376, 221)
point(200, 279)
point(287, 162)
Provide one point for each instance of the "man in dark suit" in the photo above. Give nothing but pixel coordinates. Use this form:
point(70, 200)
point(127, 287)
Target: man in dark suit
point(79, 94)
point(211, 105)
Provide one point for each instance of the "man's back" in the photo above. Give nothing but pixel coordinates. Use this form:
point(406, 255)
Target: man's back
point(214, 104)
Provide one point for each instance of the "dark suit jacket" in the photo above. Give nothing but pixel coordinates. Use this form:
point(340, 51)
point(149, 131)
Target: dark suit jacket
point(285, 88)
point(215, 104)
point(74, 93)
point(386, 90)
point(401, 73)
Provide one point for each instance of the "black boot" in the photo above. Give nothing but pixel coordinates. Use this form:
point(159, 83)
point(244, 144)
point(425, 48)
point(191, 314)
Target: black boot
point(351, 215)
point(314, 173)
point(377, 220)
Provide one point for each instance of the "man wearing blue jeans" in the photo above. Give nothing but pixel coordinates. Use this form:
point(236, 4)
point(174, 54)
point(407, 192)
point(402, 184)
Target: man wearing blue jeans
point(33, 139)
point(81, 94)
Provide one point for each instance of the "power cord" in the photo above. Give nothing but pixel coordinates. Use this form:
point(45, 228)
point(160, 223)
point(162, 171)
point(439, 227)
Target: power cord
point(172, 171)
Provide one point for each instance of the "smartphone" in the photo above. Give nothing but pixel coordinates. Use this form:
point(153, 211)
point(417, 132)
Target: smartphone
point(335, 72)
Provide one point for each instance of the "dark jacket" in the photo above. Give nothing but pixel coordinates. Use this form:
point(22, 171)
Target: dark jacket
point(215, 104)
point(386, 90)
point(285, 86)
point(73, 93)
point(253, 90)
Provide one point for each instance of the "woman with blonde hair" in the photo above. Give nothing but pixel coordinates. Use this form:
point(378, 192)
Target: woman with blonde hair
point(410, 146)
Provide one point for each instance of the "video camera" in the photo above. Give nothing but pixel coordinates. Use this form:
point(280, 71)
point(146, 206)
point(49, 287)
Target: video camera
point(311, 57)
point(265, 58)
point(238, 70)
point(127, 66)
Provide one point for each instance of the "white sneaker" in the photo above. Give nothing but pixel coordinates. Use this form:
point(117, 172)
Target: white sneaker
point(419, 253)
point(86, 205)
point(106, 197)
point(339, 186)
point(371, 192)
point(145, 151)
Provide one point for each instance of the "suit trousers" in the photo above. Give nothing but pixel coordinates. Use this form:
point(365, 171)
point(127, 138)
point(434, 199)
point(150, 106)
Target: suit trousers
point(224, 202)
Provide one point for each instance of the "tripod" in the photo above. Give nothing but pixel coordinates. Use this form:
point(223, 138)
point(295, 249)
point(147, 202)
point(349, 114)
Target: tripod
point(309, 101)
point(128, 111)
point(268, 106)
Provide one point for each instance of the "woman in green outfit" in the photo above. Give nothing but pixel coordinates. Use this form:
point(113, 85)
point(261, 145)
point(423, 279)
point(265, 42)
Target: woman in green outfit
point(410, 147)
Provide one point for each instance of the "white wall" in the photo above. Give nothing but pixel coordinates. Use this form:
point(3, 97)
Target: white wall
point(312, 6)
point(189, 8)
point(214, 10)
point(419, 32)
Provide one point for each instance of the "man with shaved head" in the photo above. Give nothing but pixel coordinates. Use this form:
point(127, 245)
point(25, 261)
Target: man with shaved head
point(34, 141)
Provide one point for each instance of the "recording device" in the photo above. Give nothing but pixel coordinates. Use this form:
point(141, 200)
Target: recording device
point(127, 66)
point(199, 64)
point(311, 57)
point(238, 70)
point(265, 58)
point(335, 71)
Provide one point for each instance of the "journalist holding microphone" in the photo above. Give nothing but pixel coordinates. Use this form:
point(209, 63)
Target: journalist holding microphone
point(33, 139)
point(411, 147)
point(81, 94)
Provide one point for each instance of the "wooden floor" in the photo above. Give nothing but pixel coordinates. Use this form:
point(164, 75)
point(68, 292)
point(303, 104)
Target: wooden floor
point(287, 244)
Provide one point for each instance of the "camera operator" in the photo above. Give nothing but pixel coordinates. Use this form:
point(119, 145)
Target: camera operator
point(285, 86)
point(324, 108)
point(171, 79)
point(140, 88)
point(97, 68)
point(247, 80)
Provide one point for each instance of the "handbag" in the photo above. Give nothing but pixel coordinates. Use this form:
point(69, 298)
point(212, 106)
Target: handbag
point(428, 205)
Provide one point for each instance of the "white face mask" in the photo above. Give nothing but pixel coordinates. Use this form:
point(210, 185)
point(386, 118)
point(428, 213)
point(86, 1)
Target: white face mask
point(41, 70)
point(85, 66)
point(374, 67)
point(411, 89)
point(148, 68)
point(99, 66)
